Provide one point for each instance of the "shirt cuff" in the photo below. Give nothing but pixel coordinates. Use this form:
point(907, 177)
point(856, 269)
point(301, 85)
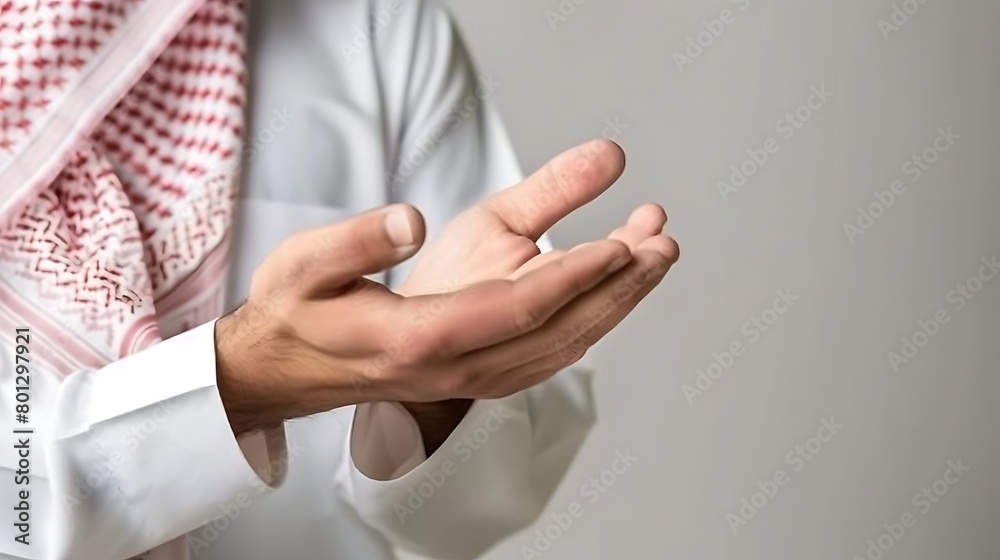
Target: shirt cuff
point(385, 441)
point(158, 420)
point(482, 470)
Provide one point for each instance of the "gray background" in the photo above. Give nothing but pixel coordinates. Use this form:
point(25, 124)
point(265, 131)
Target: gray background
point(827, 355)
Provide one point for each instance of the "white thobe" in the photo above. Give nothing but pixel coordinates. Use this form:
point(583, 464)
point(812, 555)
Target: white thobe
point(354, 104)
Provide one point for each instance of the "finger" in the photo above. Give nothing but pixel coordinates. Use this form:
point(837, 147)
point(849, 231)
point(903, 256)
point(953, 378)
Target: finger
point(587, 319)
point(628, 236)
point(536, 263)
point(564, 184)
point(319, 261)
point(581, 330)
point(491, 312)
point(646, 221)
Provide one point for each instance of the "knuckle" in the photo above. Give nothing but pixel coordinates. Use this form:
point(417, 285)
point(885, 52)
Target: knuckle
point(524, 313)
point(478, 381)
point(572, 354)
point(526, 319)
point(452, 385)
point(572, 282)
point(562, 340)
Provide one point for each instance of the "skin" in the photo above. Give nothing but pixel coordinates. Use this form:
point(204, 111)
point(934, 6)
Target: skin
point(483, 315)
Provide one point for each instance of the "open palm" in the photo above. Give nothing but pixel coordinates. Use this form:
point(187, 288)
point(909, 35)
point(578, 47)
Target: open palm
point(497, 238)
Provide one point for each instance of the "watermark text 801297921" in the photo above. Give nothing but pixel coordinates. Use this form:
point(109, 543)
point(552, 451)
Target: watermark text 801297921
point(22, 435)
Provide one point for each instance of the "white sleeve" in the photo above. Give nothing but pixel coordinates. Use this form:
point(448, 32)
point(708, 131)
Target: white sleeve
point(130, 456)
point(498, 469)
point(492, 476)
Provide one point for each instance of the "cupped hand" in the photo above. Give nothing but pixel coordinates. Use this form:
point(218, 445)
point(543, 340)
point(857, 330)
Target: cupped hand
point(497, 237)
point(315, 335)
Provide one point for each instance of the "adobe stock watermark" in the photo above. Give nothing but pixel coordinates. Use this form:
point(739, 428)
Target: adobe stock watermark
point(590, 493)
point(278, 121)
point(464, 450)
point(459, 112)
point(229, 512)
point(959, 298)
point(218, 182)
point(923, 501)
point(418, 322)
point(914, 168)
point(102, 472)
point(796, 459)
point(697, 44)
point(255, 314)
point(364, 37)
point(531, 208)
point(787, 126)
point(752, 331)
point(570, 343)
point(899, 16)
point(565, 10)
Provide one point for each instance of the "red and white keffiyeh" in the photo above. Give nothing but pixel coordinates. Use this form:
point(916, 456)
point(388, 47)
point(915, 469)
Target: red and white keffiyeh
point(121, 124)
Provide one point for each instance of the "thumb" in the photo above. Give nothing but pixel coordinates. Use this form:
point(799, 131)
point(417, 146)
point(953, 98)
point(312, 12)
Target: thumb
point(317, 262)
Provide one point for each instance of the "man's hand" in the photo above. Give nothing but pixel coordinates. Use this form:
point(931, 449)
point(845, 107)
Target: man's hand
point(315, 335)
point(496, 239)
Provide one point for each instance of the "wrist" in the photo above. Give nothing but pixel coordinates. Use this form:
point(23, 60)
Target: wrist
point(235, 371)
point(266, 374)
point(437, 420)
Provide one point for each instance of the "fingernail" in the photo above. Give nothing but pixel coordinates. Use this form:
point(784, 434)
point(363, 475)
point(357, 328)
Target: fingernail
point(619, 262)
point(399, 227)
